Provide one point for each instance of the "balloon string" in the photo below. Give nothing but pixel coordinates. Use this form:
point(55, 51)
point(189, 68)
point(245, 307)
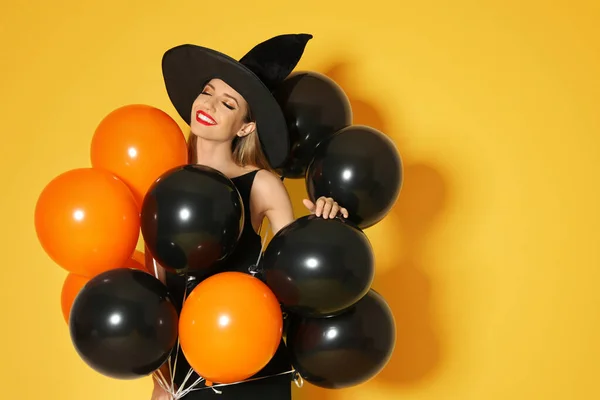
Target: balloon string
point(164, 379)
point(162, 382)
point(181, 388)
point(155, 268)
point(158, 380)
point(166, 385)
point(180, 394)
point(254, 268)
point(264, 241)
point(185, 280)
point(171, 371)
point(297, 379)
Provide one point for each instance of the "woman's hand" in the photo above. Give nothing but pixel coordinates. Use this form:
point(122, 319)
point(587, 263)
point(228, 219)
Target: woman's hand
point(269, 198)
point(326, 207)
point(160, 394)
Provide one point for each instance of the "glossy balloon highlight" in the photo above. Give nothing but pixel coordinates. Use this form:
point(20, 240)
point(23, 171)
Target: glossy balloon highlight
point(315, 107)
point(318, 267)
point(191, 218)
point(138, 143)
point(230, 327)
point(123, 323)
point(87, 221)
point(344, 350)
point(361, 169)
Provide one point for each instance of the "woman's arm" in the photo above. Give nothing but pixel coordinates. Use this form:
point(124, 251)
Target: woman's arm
point(269, 198)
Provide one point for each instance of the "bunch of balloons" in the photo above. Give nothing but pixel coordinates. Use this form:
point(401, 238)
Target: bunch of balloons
point(122, 321)
point(357, 165)
point(340, 332)
point(192, 219)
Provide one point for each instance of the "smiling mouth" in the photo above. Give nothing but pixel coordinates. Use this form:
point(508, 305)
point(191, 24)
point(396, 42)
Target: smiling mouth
point(204, 118)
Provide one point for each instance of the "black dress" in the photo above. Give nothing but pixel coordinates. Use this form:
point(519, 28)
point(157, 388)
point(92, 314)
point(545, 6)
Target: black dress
point(245, 255)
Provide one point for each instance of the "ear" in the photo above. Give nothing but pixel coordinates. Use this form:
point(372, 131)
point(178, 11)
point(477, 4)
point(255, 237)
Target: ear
point(247, 129)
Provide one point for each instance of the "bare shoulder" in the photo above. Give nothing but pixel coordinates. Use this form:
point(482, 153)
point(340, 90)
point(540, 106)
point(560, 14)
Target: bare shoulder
point(269, 191)
point(271, 199)
point(266, 181)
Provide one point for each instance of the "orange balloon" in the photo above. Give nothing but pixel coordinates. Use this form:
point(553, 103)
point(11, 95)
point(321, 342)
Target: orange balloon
point(87, 221)
point(230, 327)
point(71, 287)
point(138, 143)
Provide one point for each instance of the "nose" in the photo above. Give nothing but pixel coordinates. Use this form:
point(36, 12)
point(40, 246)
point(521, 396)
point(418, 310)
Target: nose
point(209, 103)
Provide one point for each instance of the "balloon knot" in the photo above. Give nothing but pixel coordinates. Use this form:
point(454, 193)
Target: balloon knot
point(253, 269)
point(298, 380)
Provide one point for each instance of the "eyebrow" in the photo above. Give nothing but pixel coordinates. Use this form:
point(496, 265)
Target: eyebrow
point(224, 94)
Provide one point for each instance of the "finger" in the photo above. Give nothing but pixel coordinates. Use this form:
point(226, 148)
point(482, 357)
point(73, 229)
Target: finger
point(344, 212)
point(309, 204)
point(334, 210)
point(327, 208)
point(319, 206)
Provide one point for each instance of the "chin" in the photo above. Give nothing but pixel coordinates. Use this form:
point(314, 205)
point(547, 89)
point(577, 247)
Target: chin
point(206, 132)
point(201, 130)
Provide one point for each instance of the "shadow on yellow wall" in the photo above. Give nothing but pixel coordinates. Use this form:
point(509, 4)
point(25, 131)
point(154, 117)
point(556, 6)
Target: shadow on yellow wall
point(406, 285)
point(401, 278)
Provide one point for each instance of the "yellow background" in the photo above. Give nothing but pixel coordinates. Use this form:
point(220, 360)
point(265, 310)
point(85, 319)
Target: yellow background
point(490, 259)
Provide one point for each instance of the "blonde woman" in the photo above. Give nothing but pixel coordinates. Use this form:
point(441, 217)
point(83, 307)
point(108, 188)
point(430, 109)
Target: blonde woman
point(237, 128)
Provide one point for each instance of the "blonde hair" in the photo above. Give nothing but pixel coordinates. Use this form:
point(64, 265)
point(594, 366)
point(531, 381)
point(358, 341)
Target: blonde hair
point(247, 150)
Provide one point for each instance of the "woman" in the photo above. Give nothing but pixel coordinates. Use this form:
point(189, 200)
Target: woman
point(238, 128)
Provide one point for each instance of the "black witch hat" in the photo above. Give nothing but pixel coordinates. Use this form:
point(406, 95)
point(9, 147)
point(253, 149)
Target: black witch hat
point(187, 68)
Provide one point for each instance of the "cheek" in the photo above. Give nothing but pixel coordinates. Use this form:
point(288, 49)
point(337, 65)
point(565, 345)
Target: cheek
point(193, 109)
point(196, 103)
point(239, 118)
point(228, 118)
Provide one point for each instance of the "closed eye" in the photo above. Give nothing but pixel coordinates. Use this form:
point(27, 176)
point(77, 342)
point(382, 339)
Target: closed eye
point(204, 92)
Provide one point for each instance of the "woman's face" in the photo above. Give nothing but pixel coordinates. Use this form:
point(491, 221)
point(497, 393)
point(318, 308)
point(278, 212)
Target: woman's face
point(218, 113)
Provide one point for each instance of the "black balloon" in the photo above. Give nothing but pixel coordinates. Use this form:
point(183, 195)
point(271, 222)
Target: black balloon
point(123, 323)
point(315, 107)
point(318, 267)
point(191, 218)
point(344, 350)
point(360, 168)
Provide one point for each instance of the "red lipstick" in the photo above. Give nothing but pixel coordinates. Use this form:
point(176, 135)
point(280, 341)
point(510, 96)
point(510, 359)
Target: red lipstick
point(204, 118)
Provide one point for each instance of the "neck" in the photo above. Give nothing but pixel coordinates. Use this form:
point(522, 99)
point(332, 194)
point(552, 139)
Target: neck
point(213, 154)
